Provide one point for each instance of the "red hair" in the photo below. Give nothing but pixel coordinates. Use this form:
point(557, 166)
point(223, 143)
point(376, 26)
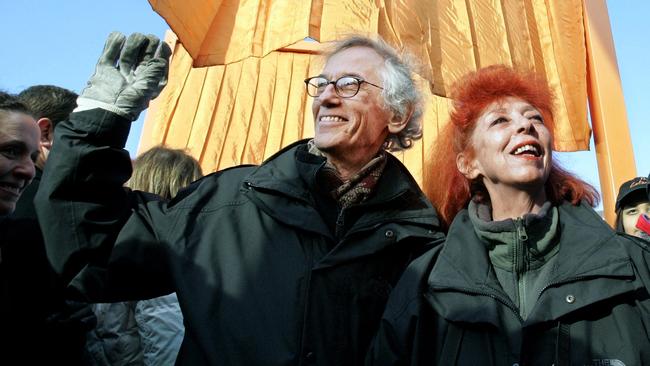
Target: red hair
point(447, 188)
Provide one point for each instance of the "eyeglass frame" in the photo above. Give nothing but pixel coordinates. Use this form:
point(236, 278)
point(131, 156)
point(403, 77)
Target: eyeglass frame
point(359, 80)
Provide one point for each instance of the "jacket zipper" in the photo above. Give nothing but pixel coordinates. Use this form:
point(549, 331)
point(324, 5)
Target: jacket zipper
point(340, 224)
point(519, 261)
point(304, 348)
point(305, 293)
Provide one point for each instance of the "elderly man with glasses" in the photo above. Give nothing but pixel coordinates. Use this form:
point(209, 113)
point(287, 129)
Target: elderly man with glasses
point(286, 263)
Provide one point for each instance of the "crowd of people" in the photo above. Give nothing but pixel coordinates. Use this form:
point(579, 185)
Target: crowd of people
point(327, 253)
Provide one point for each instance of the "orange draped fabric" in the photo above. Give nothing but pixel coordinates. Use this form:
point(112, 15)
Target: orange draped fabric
point(250, 100)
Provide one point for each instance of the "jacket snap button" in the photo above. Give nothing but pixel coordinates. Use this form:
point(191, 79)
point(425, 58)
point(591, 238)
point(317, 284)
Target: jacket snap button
point(389, 234)
point(515, 364)
point(570, 299)
point(309, 356)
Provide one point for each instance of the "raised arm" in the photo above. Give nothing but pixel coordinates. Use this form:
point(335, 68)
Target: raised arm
point(81, 203)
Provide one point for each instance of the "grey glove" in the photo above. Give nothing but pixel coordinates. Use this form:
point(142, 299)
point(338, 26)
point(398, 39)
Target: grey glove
point(130, 72)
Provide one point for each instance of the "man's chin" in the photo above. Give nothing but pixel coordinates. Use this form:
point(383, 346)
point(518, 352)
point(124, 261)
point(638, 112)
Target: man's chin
point(6, 209)
point(324, 145)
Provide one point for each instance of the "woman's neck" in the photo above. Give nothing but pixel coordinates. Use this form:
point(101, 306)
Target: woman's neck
point(511, 203)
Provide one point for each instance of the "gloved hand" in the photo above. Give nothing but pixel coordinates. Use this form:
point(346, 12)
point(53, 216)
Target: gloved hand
point(130, 72)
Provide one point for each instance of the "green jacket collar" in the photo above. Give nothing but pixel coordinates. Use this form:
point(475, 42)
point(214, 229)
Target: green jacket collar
point(500, 236)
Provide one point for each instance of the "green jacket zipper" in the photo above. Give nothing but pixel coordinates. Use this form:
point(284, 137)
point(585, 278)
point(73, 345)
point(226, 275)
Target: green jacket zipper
point(520, 263)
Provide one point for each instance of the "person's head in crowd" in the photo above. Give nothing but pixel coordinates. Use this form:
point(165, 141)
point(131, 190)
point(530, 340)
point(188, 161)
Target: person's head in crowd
point(50, 105)
point(364, 100)
point(499, 139)
point(632, 201)
point(19, 148)
point(164, 171)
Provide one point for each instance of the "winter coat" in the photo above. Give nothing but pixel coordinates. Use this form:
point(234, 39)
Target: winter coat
point(115, 340)
point(260, 278)
point(449, 308)
point(25, 204)
point(161, 329)
point(145, 332)
point(37, 324)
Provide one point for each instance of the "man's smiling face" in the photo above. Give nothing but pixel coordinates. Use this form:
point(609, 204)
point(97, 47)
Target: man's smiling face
point(355, 126)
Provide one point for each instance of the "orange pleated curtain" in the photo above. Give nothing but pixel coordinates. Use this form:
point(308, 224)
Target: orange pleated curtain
point(236, 93)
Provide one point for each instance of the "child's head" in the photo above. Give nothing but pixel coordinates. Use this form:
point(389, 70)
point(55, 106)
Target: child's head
point(631, 202)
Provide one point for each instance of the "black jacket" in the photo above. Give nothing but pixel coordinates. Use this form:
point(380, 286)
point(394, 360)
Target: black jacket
point(37, 325)
point(260, 277)
point(449, 309)
point(25, 205)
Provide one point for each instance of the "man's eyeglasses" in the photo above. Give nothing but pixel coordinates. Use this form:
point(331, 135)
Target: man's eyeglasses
point(345, 87)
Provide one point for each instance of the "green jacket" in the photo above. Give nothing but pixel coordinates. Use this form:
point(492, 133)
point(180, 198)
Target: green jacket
point(260, 278)
point(449, 308)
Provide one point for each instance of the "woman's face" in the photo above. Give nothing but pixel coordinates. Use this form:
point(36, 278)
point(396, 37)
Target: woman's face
point(511, 147)
point(631, 213)
point(19, 148)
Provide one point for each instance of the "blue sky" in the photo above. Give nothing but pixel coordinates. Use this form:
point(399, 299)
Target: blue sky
point(58, 42)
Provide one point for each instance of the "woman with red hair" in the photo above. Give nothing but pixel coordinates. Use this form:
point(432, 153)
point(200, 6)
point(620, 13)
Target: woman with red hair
point(529, 274)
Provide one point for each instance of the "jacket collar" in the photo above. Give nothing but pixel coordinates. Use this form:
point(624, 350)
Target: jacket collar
point(398, 202)
point(279, 176)
point(462, 285)
point(279, 188)
point(500, 236)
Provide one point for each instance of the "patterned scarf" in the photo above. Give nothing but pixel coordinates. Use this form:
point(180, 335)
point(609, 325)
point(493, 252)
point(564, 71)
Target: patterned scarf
point(358, 187)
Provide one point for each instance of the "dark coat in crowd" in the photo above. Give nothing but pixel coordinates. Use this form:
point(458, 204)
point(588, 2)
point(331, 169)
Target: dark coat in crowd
point(261, 277)
point(37, 324)
point(450, 309)
point(25, 205)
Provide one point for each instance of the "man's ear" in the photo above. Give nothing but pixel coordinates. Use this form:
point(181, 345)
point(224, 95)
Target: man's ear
point(467, 166)
point(397, 124)
point(47, 132)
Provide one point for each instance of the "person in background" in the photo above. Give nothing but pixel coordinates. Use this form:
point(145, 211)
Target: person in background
point(50, 105)
point(286, 263)
point(632, 203)
point(644, 220)
point(29, 294)
point(18, 151)
point(529, 273)
point(164, 171)
point(145, 332)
